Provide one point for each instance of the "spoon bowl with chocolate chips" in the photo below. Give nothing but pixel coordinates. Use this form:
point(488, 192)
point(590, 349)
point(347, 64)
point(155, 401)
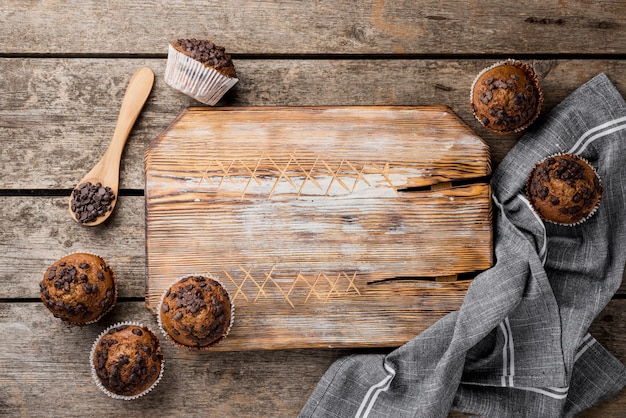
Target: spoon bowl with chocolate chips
point(92, 201)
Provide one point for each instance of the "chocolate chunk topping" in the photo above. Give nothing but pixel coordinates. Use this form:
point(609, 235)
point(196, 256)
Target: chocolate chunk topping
point(205, 51)
point(90, 288)
point(91, 201)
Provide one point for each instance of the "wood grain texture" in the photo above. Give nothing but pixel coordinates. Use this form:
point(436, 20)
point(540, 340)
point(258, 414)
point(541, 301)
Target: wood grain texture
point(298, 210)
point(36, 231)
point(40, 369)
point(61, 109)
point(319, 27)
point(49, 371)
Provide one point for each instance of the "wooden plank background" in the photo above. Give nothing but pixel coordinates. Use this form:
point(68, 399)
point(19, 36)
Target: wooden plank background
point(63, 69)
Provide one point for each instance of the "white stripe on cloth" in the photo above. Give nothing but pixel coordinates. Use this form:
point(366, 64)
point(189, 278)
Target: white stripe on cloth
point(508, 354)
point(587, 342)
point(372, 394)
point(584, 136)
point(556, 393)
point(561, 393)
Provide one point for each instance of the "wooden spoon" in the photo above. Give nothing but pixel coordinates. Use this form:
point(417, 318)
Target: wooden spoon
point(107, 171)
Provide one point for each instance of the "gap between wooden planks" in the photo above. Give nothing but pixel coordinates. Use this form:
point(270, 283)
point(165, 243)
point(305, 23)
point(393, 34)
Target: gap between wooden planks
point(304, 214)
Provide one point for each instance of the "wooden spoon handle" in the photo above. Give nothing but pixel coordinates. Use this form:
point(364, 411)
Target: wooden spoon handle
point(137, 93)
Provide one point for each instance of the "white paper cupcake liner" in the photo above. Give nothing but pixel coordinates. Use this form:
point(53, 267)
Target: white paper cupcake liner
point(191, 77)
point(193, 348)
point(593, 211)
point(94, 374)
point(115, 289)
point(527, 69)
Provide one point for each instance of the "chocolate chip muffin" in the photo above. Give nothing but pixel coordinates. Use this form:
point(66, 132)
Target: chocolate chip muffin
point(506, 97)
point(564, 189)
point(126, 361)
point(200, 68)
point(195, 312)
point(79, 288)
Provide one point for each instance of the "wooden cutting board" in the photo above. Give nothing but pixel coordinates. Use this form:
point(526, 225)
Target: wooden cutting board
point(329, 226)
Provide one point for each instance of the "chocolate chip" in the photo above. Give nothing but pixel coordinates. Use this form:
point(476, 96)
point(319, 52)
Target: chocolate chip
point(485, 97)
point(165, 308)
point(177, 316)
point(500, 84)
point(90, 288)
point(205, 51)
point(88, 204)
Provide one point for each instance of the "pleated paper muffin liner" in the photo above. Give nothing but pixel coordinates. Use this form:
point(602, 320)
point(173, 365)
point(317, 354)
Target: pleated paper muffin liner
point(591, 213)
point(94, 373)
point(193, 78)
point(532, 76)
point(115, 289)
point(195, 348)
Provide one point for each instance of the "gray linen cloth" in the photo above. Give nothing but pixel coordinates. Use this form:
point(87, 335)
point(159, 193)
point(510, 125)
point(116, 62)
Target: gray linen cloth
point(519, 345)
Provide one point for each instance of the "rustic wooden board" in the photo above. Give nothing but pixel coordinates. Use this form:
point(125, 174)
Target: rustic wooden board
point(304, 214)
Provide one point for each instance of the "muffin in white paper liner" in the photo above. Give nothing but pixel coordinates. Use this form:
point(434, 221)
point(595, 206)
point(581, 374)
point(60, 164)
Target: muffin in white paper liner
point(599, 190)
point(94, 373)
point(196, 80)
point(114, 296)
point(169, 338)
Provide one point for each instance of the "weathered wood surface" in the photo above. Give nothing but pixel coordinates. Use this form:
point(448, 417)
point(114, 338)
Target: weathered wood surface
point(317, 27)
point(46, 371)
point(297, 211)
point(62, 109)
point(64, 66)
